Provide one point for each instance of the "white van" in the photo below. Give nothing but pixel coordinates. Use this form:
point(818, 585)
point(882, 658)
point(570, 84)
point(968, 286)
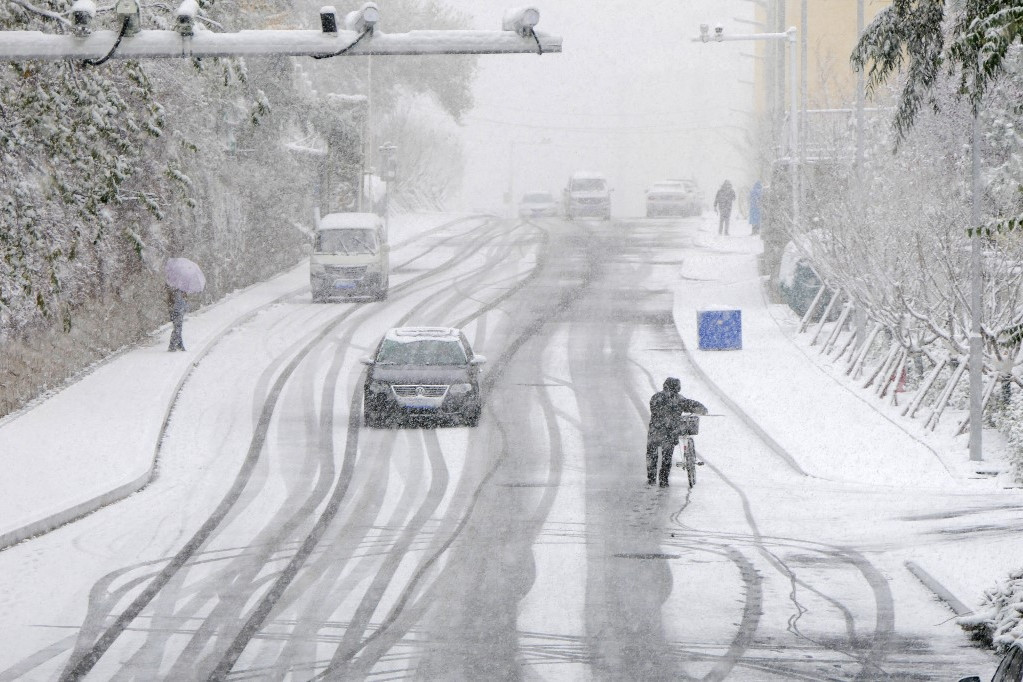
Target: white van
point(587, 195)
point(350, 257)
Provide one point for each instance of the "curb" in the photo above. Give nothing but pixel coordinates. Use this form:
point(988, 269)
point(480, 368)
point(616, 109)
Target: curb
point(939, 590)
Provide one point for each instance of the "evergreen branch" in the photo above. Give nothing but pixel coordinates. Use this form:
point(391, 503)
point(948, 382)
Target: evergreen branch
point(24, 4)
point(908, 31)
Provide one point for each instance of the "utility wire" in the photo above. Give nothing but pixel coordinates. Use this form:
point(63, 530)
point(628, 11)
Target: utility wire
point(124, 29)
point(346, 48)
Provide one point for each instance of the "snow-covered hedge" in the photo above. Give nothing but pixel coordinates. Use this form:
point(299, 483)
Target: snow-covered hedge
point(1009, 421)
point(999, 619)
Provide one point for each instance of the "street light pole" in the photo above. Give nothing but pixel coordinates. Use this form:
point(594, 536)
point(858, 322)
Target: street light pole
point(792, 36)
point(976, 361)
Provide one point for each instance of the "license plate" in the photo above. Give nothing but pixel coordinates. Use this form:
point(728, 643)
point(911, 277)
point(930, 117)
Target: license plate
point(344, 285)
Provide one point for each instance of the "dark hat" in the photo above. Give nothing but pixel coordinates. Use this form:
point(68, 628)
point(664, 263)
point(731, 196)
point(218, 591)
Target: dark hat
point(672, 384)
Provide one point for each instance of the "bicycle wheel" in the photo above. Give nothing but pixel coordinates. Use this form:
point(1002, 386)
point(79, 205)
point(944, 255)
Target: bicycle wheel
point(690, 456)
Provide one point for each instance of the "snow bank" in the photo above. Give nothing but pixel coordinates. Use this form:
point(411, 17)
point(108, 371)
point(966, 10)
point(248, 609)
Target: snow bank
point(999, 619)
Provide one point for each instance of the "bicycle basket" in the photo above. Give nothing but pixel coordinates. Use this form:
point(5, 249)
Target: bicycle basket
point(690, 425)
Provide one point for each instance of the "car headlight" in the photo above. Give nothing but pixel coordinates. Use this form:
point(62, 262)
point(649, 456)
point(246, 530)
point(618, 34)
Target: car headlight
point(460, 389)
point(317, 269)
point(378, 387)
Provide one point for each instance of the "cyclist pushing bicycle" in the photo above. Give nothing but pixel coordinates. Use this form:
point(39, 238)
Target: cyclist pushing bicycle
point(669, 420)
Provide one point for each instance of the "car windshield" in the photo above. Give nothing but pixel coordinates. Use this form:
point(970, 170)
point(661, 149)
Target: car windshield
point(349, 242)
point(537, 198)
point(421, 352)
point(587, 185)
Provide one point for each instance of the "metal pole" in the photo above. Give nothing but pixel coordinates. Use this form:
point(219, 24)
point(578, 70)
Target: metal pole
point(780, 68)
point(794, 126)
point(976, 345)
point(803, 77)
point(861, 314)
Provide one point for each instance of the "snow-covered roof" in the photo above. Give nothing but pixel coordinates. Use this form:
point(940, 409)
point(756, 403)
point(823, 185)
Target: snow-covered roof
point(409, 334)
point(348, 221)
point(581, 175)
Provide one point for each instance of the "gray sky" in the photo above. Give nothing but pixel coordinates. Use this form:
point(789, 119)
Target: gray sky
point(630, 96)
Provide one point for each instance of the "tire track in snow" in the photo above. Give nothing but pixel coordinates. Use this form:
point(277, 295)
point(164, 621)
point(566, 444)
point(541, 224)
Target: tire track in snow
point(85, 657)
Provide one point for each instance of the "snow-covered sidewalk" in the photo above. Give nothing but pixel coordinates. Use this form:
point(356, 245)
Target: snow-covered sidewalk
point(95, 441)
point(820, 424)
point(826, 430)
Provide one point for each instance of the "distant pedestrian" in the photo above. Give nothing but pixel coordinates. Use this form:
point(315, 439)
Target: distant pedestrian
point(666, 410)
point(178, 307)
point(756, 197)
point(723, 201)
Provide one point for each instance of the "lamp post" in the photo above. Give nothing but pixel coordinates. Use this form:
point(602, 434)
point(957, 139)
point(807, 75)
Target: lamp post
point(791, 35)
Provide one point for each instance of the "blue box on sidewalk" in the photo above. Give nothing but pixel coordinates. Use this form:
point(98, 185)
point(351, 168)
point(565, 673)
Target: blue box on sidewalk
point(719, 329)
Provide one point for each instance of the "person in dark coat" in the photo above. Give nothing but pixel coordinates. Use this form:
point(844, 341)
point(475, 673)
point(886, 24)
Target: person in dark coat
point(666, 410)
point(178, 307)
point(723, 201)
point(756, 198)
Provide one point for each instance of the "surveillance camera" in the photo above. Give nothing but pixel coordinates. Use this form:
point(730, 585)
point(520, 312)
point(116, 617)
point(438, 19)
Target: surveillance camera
point(128, 12)
point(704, 32)
point(184, 17)
point(364, 19)
point(82, 13)
point(522, 20)
point(328, 19)
point(719, 29)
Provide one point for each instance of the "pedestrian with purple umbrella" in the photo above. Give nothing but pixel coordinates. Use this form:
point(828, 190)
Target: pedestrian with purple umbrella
point(183, 277)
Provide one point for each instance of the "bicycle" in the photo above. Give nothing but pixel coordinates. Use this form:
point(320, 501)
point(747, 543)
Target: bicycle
point(690, 428)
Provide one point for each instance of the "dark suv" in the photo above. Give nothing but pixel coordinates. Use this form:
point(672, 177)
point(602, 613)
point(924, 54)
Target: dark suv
point(427, 372)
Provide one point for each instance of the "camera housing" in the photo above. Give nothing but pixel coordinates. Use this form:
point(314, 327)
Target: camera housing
point(328, 19)
point(128, 12)
point(82, 14)
point(522, 20)
point(184, 17)
point(363, 19)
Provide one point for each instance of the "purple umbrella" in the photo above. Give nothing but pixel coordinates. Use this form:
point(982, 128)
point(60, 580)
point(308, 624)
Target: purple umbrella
point(184, 275)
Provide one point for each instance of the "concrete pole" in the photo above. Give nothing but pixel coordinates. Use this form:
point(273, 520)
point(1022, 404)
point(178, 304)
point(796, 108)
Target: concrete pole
point(860, 316)
point(804, 25)
point(794, 125)
point(976, 343)
point(780, 77)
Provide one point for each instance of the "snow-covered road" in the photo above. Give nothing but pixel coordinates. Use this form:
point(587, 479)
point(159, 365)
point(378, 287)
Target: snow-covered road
point(281, 539)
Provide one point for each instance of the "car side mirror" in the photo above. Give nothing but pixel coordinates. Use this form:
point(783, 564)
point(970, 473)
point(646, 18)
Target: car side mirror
point(366, 360)
point(478, 360)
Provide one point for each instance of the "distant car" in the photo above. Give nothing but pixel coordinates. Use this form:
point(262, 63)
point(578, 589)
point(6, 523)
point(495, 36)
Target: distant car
point(587, 194)
point(538, 205)
point(673, 198)
point(696, 197)
point(422, 372)
point(1009, 670)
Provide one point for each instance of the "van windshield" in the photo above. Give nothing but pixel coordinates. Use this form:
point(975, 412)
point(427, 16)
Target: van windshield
point(349, 242)
point(588, 185)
